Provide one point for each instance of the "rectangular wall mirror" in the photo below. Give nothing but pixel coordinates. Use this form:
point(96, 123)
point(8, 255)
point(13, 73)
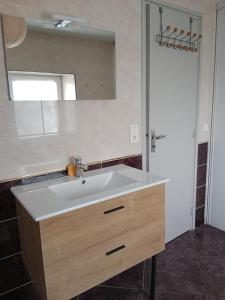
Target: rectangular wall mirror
point(58, 58)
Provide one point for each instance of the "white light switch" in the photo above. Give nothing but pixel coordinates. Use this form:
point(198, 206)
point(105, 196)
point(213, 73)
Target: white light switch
point(134, 138)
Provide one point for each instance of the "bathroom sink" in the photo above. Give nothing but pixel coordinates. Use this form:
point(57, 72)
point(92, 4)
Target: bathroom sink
point(54, 197)
point(89, 185)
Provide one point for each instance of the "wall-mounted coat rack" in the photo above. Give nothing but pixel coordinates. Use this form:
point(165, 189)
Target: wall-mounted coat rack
point(175, 38)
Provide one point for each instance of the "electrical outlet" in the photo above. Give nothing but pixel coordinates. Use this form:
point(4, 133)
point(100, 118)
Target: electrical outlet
point(134, 138)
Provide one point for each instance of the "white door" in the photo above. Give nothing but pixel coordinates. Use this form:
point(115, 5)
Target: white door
point(172, 107)
point(217, 199)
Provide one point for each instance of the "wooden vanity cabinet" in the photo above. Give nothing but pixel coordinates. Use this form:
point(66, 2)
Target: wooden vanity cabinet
point(71, 253)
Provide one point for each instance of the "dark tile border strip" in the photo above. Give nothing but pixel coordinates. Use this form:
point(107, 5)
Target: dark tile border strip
point(200, 216)
point(200, 196)
point(202, 154)
point(201, 184)
point(96, 166)
point(134, 161)
point(201, 175)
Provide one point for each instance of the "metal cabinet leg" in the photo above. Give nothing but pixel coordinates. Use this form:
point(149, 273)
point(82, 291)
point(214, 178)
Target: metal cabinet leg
point(153, 278)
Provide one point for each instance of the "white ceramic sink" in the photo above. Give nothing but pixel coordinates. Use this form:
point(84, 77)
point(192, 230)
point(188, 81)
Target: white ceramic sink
point(90, 185)
point(54, 197)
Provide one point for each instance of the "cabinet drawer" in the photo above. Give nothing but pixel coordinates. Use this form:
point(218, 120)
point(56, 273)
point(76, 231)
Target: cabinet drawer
point(68, 234)
point(75, 274)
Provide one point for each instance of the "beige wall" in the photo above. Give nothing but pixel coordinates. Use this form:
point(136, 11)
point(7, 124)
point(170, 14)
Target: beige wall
point(91, 61)
point(40, 137)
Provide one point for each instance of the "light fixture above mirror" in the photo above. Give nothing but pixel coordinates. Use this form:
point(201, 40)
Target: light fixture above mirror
point(15, 31)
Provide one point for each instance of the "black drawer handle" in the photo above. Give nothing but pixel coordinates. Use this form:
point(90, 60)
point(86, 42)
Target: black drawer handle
point(113, 210)
point(115, 250)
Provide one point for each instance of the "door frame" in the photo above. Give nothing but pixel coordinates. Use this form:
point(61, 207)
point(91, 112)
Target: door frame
point(219, 6)
point(146, 97)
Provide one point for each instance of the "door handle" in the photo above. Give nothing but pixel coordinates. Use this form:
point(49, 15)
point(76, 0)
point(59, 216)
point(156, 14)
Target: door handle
point(159, 137)
point(155, 138)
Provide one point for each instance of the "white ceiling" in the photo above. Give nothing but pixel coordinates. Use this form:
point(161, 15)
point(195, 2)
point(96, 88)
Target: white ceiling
point(74, 29)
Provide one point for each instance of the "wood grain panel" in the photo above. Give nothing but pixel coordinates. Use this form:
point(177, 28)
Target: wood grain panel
point(76, 274)
point(68, 234)
point(32, 256)
point(72, 253)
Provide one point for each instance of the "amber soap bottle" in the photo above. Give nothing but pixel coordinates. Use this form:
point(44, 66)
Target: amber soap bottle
point(72, 168)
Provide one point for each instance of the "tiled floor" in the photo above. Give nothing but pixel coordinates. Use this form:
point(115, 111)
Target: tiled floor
point(191, 268)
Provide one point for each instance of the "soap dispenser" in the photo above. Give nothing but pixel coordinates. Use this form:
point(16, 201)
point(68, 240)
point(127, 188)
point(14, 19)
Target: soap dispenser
point(72, 168)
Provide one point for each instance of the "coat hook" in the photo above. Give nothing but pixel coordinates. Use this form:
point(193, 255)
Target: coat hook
point(175, 46)
point(184, 39)
point(196, 42)
point(198, 38)
point(170, 36)
point(191, 44)
point(167, 29)
point(161, 43)
point(187, 35)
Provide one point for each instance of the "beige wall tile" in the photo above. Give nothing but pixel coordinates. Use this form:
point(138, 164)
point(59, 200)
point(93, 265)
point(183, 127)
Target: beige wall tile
point(21, 119)
point(28, 118)
point(116, 143)
point(61, 147)
point(7, 120)
point(88, 146)
point(87, 115)
point(114, 115)
point(21, 157)
point(59, 116)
